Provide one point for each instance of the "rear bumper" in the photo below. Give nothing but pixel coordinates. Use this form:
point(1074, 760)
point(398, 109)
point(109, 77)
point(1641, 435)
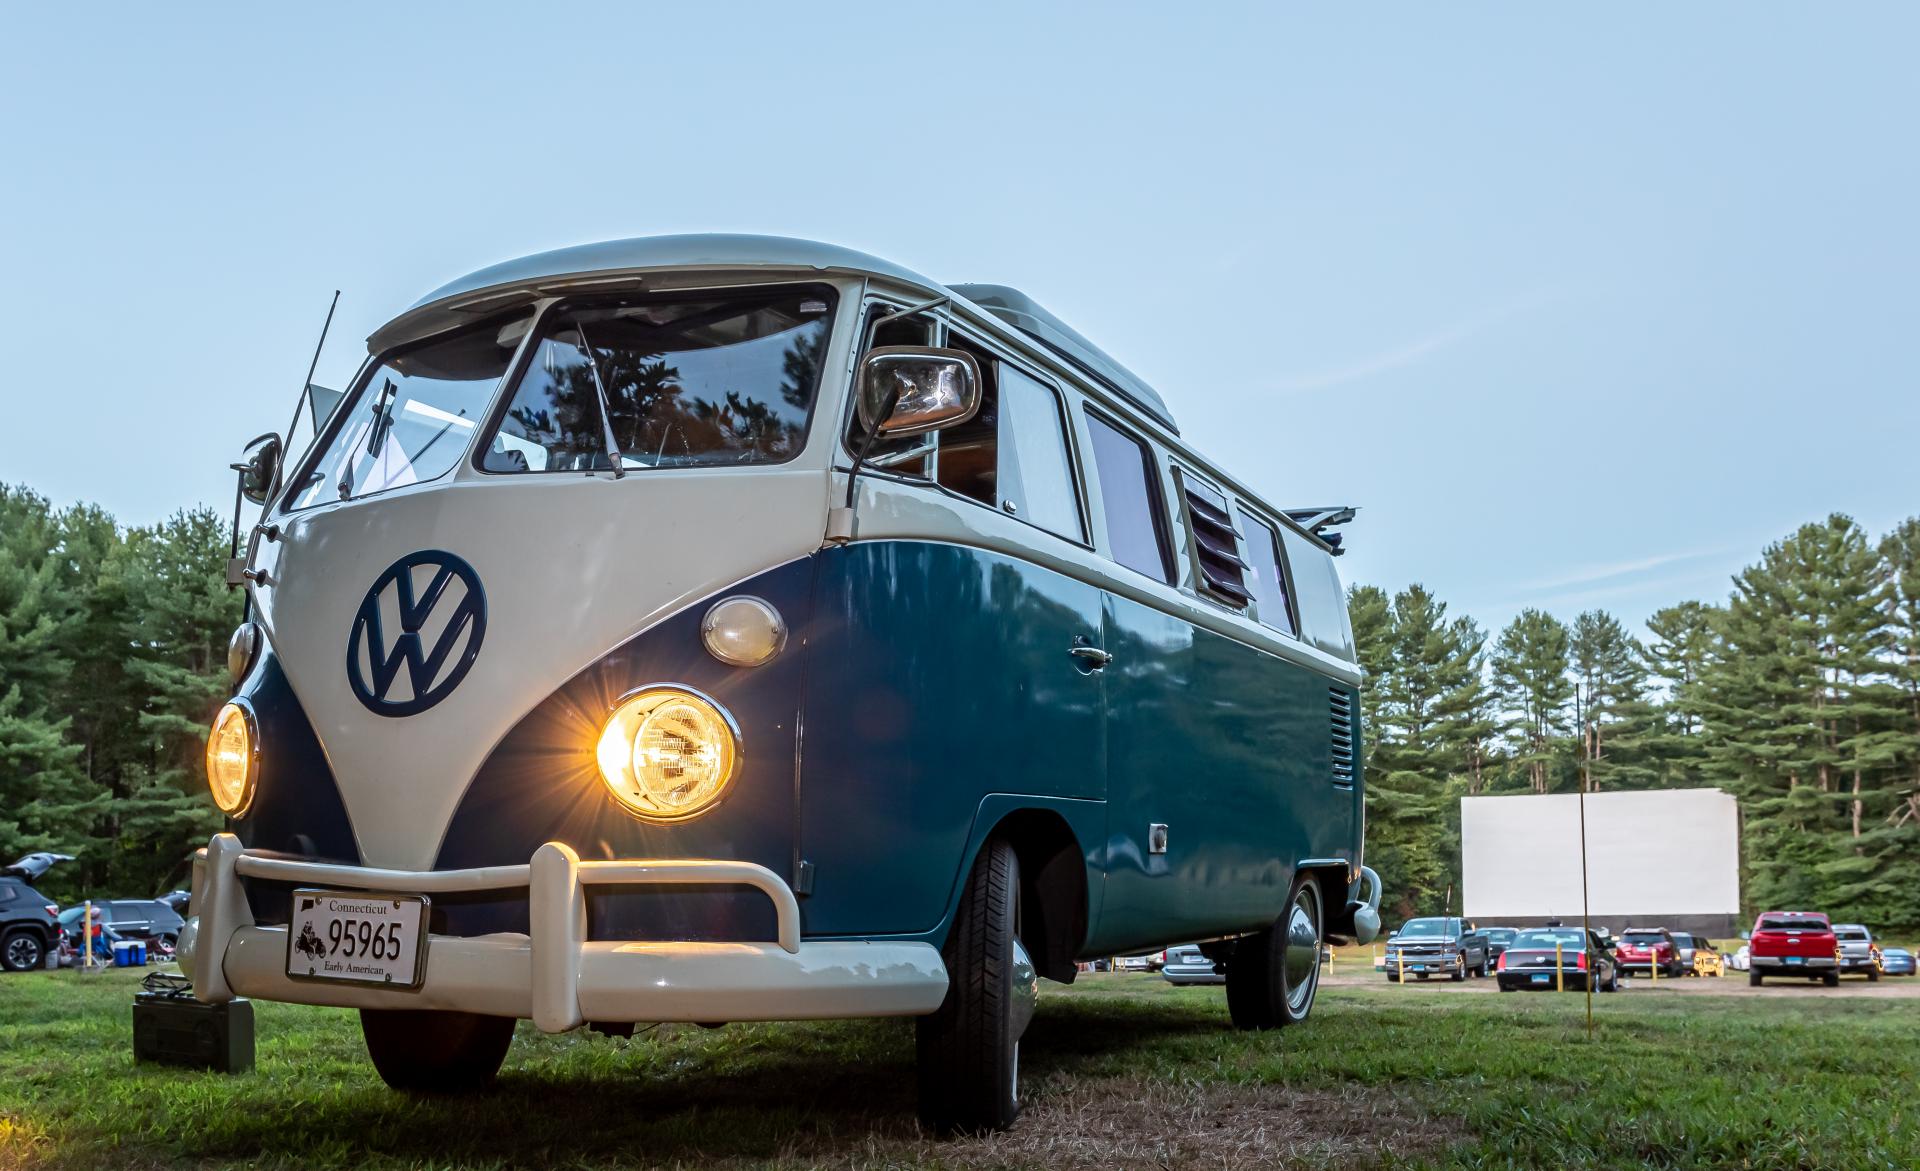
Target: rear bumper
point(1570, 978)
point(1804, 964)
point(554, 975)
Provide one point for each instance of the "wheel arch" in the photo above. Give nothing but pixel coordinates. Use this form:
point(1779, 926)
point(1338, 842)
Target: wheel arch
point(1059, 892)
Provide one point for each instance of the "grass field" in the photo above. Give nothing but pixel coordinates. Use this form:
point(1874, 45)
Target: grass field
point(1118, 1069)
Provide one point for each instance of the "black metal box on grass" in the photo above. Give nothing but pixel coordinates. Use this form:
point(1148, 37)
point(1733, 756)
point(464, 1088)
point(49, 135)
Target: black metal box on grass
point(172, 1028)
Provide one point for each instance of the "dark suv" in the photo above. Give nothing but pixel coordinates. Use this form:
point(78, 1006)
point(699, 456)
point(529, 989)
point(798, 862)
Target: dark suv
point(28, 923)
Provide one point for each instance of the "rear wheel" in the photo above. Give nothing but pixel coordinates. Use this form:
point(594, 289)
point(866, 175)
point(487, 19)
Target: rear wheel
point(1873, 976)
point(22, 951)
point(435, 1052)
point(1831, 979)
point(1754, 977)
point(969, 1048)
point(1274, 975)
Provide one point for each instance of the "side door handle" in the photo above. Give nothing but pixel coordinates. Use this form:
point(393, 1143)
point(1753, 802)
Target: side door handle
point(1092, 657)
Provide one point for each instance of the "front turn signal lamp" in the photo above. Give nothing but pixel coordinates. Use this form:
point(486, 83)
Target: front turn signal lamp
point(668, 753)
point(233, 759)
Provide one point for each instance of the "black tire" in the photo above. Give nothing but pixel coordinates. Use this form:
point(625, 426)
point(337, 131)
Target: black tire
point(23, 951)
point(1459, 972)
point(1274, 975)
point(968, 1050)
point(1754, 977)
point(427, 1052)
point(1873, 977)
point(1507, 987)
point(1831, 979)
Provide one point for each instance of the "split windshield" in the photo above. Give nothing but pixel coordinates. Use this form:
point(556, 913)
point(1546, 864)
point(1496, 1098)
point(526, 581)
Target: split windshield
point(688, 382)
point(414, 415)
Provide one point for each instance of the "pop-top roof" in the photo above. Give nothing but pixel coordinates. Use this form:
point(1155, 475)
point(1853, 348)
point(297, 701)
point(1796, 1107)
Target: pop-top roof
point(499, 285)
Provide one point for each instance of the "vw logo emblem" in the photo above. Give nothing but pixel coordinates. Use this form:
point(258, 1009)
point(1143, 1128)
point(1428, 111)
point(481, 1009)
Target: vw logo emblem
point(417, 633)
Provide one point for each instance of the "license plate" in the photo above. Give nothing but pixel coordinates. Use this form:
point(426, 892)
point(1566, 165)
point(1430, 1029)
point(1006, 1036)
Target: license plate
point(359, 938)
point(1416, 967)
point(1542, 979)
point(1791, 960)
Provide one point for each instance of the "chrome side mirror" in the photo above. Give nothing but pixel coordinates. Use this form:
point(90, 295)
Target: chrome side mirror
point(910, 390)
point(259, 466)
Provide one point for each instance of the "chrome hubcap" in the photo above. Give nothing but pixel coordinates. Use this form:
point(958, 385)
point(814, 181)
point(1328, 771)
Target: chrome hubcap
point(1302, 964)
point(21, 952)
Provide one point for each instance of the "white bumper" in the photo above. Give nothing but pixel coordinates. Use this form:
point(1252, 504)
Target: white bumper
point(555, 976)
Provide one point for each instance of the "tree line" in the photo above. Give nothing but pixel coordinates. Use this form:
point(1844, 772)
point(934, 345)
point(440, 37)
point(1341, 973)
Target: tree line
point(1799, 693)
point(112, 662)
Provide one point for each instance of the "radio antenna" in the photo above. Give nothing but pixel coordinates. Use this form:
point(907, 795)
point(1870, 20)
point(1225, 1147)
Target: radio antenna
point(306, 388)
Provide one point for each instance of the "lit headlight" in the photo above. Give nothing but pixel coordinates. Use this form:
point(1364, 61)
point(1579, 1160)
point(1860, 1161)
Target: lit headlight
point(667, 753)
point(233, 759)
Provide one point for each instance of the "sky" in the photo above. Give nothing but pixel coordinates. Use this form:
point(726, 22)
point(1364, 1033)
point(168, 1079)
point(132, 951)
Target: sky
point(1581, 309)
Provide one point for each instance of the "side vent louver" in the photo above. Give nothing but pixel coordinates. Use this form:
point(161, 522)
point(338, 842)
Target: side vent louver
point(1342, 705)
point(1216, 554)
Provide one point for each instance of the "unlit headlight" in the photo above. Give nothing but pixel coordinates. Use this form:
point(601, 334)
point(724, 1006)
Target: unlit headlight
point(668, 753)
point(743, 631)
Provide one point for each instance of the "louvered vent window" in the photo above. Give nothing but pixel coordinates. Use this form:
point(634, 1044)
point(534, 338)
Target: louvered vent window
point(1216, 554)
point(1342, 705)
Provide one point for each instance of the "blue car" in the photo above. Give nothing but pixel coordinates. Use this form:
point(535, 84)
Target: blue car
point(1897, 961)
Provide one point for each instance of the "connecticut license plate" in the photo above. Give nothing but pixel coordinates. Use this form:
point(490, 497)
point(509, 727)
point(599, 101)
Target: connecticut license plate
point(1541, 978)
point(1796, 960)
point(366, 938)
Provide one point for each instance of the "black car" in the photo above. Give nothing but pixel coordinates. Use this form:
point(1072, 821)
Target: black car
point(29, 926)
point(1499, 939)
point(1537, 956)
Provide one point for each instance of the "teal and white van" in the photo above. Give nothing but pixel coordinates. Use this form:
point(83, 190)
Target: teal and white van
point(728, 628)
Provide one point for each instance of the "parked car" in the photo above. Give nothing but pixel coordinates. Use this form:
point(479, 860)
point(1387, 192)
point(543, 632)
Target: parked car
point(1498, 939)
point(145, 919)
point(1706, 958)
point(1643, 950)
point(1530, 961)
point(1740, 960)
point(1897, 961)
point(1793, 943)
point(1858, 954)
point(1438, 946)
point(29, 924)
point(1187, 964)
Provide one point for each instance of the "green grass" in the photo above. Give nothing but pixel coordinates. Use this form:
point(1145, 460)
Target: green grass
point(1671, 1081)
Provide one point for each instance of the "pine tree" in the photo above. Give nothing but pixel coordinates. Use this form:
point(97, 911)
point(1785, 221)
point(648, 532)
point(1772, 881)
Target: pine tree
point(1530, 669)
point(1611, 675)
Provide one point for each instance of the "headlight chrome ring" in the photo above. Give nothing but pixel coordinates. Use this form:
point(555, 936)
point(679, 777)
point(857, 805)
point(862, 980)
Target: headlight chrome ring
point(233, 758)
point(667, 752)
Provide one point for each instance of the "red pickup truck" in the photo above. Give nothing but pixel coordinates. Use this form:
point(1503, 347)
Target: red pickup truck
point(1793, 943)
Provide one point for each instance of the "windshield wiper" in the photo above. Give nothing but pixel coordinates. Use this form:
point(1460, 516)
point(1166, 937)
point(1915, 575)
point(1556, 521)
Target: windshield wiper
point(606, 411)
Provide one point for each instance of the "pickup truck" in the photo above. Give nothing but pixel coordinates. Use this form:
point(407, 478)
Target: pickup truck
point(1438, 946)
point(1859, 954)
point(1793, 943)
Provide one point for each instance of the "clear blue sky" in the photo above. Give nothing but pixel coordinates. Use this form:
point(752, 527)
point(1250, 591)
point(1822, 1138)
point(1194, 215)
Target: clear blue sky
point(1582, 310)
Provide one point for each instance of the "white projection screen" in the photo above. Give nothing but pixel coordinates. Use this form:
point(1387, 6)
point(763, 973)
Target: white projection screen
point(1661, 854)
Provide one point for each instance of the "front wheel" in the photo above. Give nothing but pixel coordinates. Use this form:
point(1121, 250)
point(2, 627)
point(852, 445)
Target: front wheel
point(435, 1052)
point(1273, 975)
point(969, 1048)
point(22, 952)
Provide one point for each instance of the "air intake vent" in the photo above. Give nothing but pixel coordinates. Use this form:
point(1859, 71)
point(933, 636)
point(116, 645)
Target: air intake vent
point(1342, 706)
point(1216, 554)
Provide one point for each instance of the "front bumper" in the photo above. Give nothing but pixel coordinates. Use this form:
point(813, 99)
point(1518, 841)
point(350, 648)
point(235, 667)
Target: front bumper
point(554, 975)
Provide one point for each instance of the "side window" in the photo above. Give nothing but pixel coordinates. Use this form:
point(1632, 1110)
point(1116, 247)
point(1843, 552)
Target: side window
point(968, 459)
point(1036, 469)
point(1131, 498)
point(1267, 578)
